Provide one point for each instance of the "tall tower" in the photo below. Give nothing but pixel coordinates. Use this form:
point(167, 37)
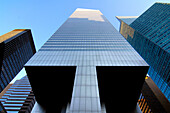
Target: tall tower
point(18, 97)
point(149, 34)
point(87, 63)
point(16, 48)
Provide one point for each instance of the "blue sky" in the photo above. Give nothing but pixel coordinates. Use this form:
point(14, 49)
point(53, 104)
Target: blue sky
point(44, 17)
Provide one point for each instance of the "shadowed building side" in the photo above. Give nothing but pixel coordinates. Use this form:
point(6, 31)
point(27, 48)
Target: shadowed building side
point(149, 35)
point(72, 60)
point(16, 48)
point(152, 100)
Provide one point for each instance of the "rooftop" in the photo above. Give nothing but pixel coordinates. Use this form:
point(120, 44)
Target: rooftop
point(10, 34)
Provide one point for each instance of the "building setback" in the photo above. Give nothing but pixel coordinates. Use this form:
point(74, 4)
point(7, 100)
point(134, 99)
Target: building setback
point(149, 34)
point(88, 64)
point(16, 48)
point(18, 97)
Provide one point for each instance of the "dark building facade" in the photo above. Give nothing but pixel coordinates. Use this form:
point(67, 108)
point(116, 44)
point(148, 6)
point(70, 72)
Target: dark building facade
point(83, 59)
point(16, 48)
point(18, 97)
point(152, 100)
point(149, 34)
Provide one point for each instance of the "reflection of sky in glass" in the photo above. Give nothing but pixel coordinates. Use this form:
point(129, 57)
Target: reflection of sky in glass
point(86, 40)
point(14, 98)
point(48, 19)
point(148, 34)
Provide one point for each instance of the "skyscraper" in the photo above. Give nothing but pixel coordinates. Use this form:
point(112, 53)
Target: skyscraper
point(16, 48)
point(152, 100)
point(18, 97)
point(81, 64)
point(149, 34)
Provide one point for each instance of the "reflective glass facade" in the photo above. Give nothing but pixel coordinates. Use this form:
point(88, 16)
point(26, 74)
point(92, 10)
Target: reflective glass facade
point(149, 35)
point(152, 100)
point(86, 40)
point(16, 48)
point(154, 24)
point(18, 98)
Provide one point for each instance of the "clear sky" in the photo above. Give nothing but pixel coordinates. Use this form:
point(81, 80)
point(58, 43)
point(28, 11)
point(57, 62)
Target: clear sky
point(44, 17)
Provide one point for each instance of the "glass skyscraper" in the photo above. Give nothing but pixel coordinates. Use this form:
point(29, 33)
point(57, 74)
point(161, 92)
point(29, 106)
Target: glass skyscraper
point(152, 100)
point(16, 48)
point(149, 34)
point(18, 97)
point(88, 64)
